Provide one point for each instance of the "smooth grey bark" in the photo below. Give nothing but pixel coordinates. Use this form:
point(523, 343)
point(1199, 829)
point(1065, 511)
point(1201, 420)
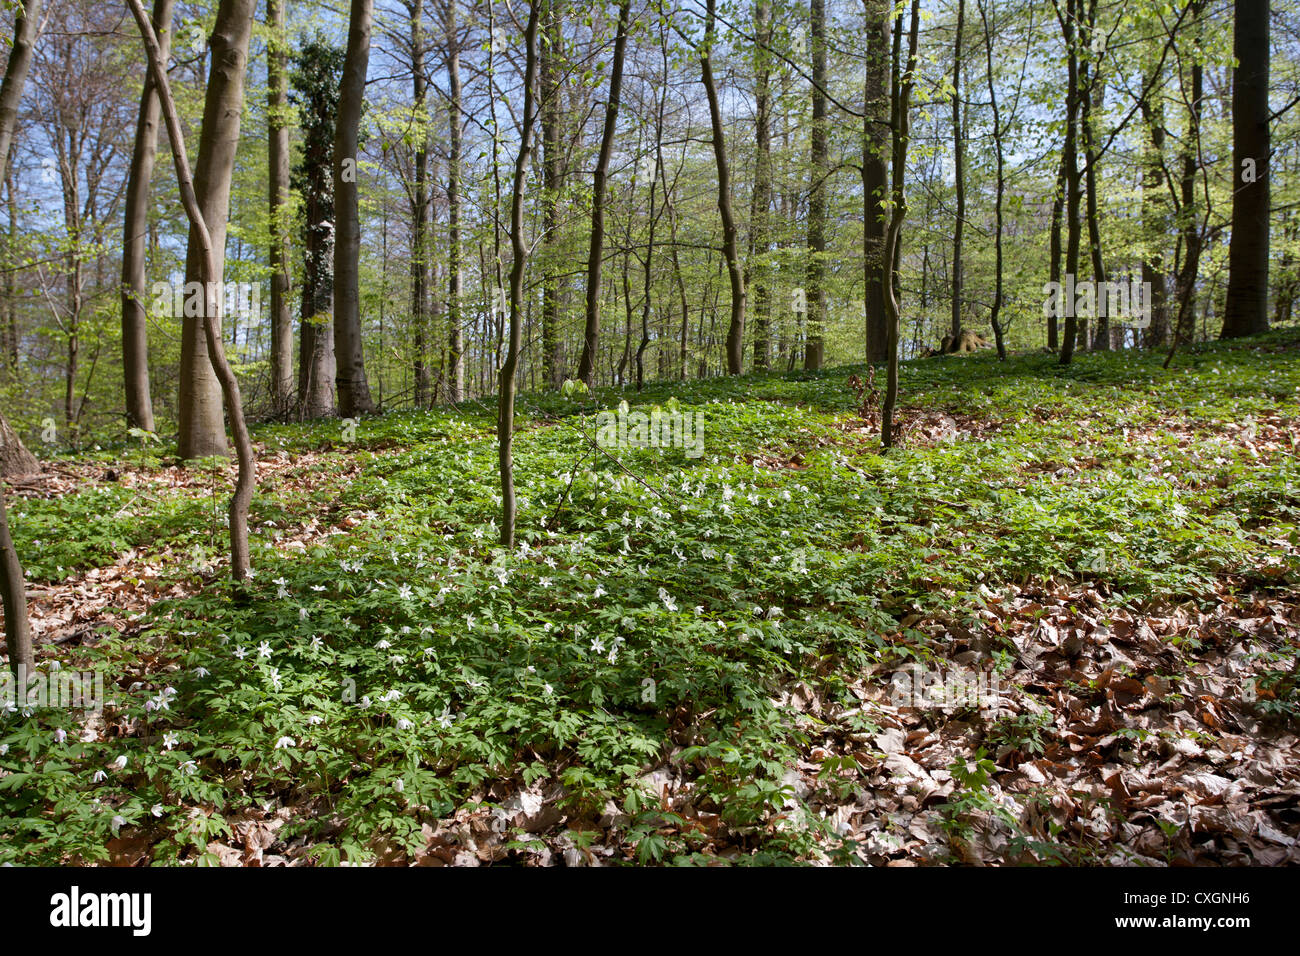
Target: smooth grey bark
point(995, 310)
point(14, 457)
point(591, 333)
point(761, 198)
point(901, 123)
point(875, 173)
point(26, 25)
point(1246, 311)
point(1155, 220)
point(815, 272)
point(959, 177)
point(202, 425)
point(349, 359)
point(277, 110)
point(550, 94)
point(135, 234)
point(208, 260)
point(420, 208)
point(730, 248)
point(519, 249)
point(1070, 163)
point(455, 349)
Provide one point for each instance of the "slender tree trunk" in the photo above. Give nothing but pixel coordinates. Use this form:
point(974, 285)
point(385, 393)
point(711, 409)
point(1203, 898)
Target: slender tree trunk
point(208, 261)
point(278, 119)
point(1093, 89)
point(761, 198)
point(1185, 286)
point(519, 248)
point(455, 278)
point(959, 178)
point(1070, 163)
point(135, 331)
point(1154, 219)
point(591, 335)
point(349, 358)
point(730, 248)
point(1058, 211)
point(995, 311)
point(13, 591)
point(1246, 312)
point(550, 73)
point(14, 457)
point(875, 173)
point(420, 208)
point(648, 266)
point(901, 133)
point(815, 273)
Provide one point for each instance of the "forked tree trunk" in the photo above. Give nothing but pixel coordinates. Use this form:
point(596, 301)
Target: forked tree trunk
point(208, 262)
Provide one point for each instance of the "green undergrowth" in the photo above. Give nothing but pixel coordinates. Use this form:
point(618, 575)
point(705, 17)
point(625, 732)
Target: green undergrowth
point(398, 664)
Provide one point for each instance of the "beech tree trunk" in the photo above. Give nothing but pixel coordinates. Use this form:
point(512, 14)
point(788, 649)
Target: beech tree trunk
point(202, 428)
point(730, 250)
point(875, 173)
point(455, 350)
point(761, 198)
point(420, 260)
point(26, 23)
point(591, 334)
point(15, 459)
point(995, 311)
point(277, 110)
point(901, 124)
point(1154, 220)
point(959, 176)
point(1070, 163)
point(519, 249)
point(208, 262)
point(815, 273)
point(1246, 311)
point(350, 366)
point(135, 234)
point(550, 78)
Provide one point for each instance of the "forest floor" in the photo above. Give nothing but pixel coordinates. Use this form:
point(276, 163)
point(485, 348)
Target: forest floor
point(762, 654)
